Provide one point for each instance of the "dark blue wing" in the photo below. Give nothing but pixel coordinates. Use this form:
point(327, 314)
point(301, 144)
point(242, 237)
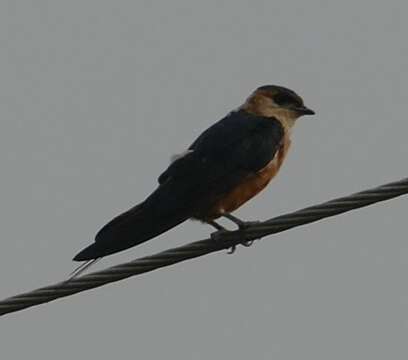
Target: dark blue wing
point(233, 148)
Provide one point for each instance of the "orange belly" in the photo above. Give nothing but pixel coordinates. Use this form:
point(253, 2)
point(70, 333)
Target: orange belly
point(250, 186)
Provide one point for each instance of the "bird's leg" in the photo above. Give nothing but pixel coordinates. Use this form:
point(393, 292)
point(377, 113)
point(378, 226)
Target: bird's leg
point(220, 230)
point(237, 221)
point(242, 225)
point(216, 225)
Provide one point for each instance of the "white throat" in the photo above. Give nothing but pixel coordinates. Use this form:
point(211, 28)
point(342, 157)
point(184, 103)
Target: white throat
point(287, 123)
point(286, 117)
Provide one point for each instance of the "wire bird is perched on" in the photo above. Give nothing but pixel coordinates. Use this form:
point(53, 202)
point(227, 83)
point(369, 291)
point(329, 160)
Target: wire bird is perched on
point(226, 165)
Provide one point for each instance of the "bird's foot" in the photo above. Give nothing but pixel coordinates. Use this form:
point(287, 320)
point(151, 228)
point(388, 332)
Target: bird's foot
point(220, 230)
point(242, 225)
point(246, 243)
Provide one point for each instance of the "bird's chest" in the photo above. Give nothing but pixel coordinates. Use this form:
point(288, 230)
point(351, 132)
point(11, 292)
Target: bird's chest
point(262, 178)
point(252, 184)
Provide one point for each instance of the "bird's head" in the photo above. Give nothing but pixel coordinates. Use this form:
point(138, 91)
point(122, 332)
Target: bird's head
point(276, 101)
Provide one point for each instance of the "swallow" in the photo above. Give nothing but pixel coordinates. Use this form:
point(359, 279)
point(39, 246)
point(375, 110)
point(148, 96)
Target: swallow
point(227, 165)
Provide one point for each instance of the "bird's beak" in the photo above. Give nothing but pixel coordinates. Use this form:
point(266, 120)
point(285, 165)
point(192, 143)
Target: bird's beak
point(303, 110)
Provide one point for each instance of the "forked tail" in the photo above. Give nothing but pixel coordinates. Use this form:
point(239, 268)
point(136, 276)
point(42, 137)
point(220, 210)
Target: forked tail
point(161, 211)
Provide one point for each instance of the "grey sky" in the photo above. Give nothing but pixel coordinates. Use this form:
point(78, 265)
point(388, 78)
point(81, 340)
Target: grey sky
point(95, 97)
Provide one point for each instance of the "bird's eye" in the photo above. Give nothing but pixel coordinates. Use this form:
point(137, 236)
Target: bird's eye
point(284, 99)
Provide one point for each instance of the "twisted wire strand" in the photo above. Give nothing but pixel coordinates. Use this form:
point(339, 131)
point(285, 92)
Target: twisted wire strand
point(221, 240)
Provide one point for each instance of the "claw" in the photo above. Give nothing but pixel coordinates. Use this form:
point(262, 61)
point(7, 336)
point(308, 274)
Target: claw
point(242, 225)
point(231, 250)
point(247, 243)
point(215, 236)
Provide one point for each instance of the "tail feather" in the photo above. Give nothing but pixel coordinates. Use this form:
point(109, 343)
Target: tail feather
point(137, 225)
point(81, 268)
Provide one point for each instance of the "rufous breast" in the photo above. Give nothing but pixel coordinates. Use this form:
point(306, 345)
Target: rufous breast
point(251, 185)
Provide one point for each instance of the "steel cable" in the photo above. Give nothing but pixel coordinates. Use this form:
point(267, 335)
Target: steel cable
point(221, 240)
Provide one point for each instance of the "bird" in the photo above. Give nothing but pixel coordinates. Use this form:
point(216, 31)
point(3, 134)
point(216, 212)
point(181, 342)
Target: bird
point(227, 165)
